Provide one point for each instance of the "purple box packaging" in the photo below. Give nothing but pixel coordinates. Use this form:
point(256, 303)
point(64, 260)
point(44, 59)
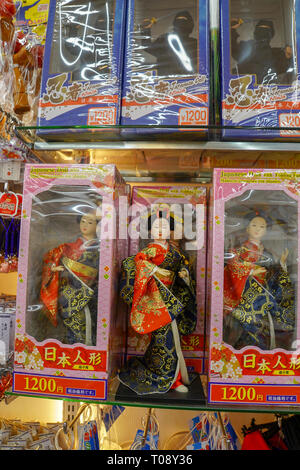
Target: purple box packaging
point(259, 71)
point(81, 82)
point(47, 362)
point(166, 72)
point(146, 198)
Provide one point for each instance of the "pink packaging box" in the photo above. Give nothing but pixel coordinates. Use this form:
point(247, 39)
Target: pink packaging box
point(254, 287)
point(69, 331)
point(194, 198)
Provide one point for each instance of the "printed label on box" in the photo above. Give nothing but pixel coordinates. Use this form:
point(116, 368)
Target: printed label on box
point(59, 386)
point(101, 116)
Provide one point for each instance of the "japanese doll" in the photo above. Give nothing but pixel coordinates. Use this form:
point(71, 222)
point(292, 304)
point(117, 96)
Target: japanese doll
point(158, 286)
point(259, 298)
point(69, 283)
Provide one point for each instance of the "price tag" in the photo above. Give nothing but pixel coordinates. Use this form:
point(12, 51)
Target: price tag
point(193, 116)
point(289, 120)
point(11, 170)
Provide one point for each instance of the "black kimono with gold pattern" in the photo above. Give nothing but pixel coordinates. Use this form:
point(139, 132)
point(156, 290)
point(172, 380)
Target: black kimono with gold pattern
point(156, 301)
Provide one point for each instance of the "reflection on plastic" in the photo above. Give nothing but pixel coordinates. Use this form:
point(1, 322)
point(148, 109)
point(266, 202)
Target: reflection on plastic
point(87, 45)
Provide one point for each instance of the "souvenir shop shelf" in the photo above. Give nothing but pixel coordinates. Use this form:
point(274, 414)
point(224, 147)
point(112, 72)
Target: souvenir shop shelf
point(204, 406)
point(118, 137)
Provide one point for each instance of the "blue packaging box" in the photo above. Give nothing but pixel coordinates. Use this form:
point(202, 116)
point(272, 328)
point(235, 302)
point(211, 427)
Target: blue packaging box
point(82, 73)
point(260, 69)
point(166, 66)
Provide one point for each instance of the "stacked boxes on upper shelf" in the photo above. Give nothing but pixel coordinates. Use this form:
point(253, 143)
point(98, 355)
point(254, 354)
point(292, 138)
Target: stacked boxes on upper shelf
point(166, 69)
point(259, 69)
point(81, 82)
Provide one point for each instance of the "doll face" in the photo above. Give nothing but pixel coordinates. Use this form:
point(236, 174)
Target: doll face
point(160, 229)
point(257, 228)
point(88, 225)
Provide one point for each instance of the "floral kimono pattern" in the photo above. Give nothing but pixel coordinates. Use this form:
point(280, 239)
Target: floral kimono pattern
point(258, 310)
point(163, 306)
point(72, 294)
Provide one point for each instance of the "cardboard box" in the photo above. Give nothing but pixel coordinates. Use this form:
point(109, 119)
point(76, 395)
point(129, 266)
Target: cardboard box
point(68, 328)
point(81, 82)
point(259, 69)
point(166, 70)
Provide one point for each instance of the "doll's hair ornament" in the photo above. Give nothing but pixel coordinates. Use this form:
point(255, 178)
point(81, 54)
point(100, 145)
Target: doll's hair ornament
point(258, 213)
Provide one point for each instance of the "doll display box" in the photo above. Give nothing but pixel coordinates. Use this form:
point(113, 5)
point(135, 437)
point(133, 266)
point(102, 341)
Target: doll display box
point(260, 68)
point(183, 207)
point(81, 83)
point(68, 327)
point(254, 287)
point(166, 66)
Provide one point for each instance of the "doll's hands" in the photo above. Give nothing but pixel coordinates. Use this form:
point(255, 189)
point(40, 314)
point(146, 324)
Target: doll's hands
point(184, 274)
point(148, 23)
point(284, 257)
point(236, 23)
point(288, 51)
point(258, 270)
point(55, 269)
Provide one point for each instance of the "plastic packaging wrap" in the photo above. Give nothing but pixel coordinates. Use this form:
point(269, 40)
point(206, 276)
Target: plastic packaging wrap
point(21, 60)
point(254, 287)
point(189, 202)
point(67, 269)
point(260, 67)
point(166, 76)
point(82, 72)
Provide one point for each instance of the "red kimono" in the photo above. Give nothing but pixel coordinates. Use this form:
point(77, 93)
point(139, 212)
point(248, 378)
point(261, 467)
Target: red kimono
point(72, 254)
point(238, 270)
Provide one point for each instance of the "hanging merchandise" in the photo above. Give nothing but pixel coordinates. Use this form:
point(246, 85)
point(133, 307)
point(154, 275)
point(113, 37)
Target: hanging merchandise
point(90, 429)
point(19, 435)
point(69, 265)
point(22, 59)
point(281, 434)
point(81, 82)
point(10, 211)
point(147, 438)
point(207, 431)
point(166, 76)
point(254, 332)
point(259, 50)
point(161, 283)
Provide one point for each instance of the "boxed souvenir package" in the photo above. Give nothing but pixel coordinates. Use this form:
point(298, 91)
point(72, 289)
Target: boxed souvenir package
point(81, 82)
point(187, 204)
point(254, 287)
point(166, 66)
point(67, 336)
point(32, 18)
point(260, 51)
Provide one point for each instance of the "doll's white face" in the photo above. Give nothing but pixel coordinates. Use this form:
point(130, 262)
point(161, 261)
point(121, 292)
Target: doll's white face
point(160, 229)
point(257, 228)
point(88, 225)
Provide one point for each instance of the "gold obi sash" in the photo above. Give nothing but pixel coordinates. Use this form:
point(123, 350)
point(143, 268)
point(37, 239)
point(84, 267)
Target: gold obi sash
point(168, 280)
point(87, 274)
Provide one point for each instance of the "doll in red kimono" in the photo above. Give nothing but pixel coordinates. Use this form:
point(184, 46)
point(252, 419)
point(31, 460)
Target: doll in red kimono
point(69, 283)
point(157, 285)
point(259, 298)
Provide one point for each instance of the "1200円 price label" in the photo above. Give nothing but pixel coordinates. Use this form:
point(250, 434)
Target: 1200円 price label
point(93, 389)
point(264, 394)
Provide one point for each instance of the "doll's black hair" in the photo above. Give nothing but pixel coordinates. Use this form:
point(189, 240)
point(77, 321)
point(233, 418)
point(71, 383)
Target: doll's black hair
point(85, 211)
point(161, 215)
point(268, 23)
point(257, 213)
point(188, 17)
